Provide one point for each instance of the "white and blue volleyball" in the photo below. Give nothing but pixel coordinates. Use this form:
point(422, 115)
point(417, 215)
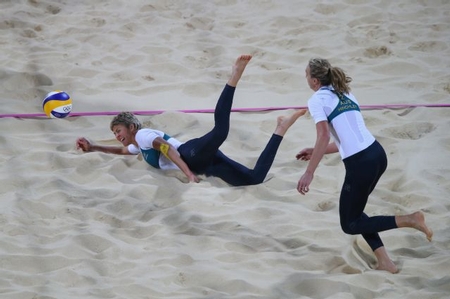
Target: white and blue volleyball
point(57, 104)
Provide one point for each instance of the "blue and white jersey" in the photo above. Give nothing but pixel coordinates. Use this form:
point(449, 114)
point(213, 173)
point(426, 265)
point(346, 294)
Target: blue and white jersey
point(145, 138)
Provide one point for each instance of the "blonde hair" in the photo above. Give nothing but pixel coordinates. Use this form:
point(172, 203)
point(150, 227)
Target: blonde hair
point(127, 119)
point(322, 70)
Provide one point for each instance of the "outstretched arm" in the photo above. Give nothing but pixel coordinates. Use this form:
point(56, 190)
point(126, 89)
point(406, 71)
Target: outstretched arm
point(172, 154)
point(86, 146)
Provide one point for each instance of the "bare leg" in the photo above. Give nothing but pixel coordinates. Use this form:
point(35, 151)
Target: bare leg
point(238, 69)
point(384, 262)
point(415, 220)
point(284, 122)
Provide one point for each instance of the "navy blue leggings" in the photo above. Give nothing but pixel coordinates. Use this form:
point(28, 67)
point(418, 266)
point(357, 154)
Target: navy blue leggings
point(203, 156)
point(363, 170)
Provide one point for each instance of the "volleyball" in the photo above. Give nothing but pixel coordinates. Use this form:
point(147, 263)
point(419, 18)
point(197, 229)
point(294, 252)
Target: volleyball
point(57, 104)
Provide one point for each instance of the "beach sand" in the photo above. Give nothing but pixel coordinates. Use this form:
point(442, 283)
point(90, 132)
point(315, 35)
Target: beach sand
point(93, 225)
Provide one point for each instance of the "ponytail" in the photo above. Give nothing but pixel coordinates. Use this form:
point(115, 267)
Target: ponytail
point(339, 80)
point(322, 70)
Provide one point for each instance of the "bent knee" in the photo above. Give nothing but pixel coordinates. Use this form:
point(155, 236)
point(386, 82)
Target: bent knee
point(257, 180)
point(349, 228)
point(220, 133)
point(250, 181)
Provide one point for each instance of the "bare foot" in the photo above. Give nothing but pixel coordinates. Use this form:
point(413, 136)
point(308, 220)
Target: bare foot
point(415, 220)
point(384, 262)
point(284, 122)
point(238, 69)
point(421, 225)
point(388, 266)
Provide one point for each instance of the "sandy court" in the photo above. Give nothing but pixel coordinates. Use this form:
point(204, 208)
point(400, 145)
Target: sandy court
point(94, 225)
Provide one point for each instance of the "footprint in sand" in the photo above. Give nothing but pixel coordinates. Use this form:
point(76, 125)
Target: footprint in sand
point(412, 131)
point(446, 87)
point(294, 243)
point(429, 46)
point(325, 206)
point(325, 9)
point(362, 252)
point(11, 80)
point(48, 8)
point(201, 23)
point(375, 52)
